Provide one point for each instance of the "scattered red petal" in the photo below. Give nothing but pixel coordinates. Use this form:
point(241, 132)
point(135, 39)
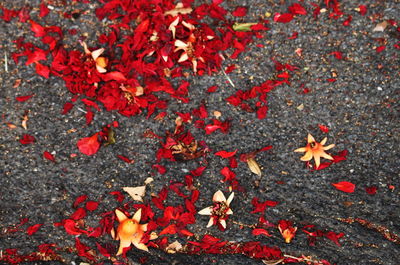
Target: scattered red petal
point(371, 190)
point(260, 231)
point(44, 10)
point(334, 237)
point(49, 156)
point(125, 159)
point(345, 186)
point(89, 145)
point(380, 48)
point(27, 139)
point(79, 200)
point(42, 70)
point(33, 229)
point(297, 9)
point(212, 89)
point(67, 107)
point(348, 21)
point(283, 18)
point(23, 98)
point(323, 128)
point(225, 154)
point(118, 196)
point(91, 205)
point(363, 10)
point(240, 11)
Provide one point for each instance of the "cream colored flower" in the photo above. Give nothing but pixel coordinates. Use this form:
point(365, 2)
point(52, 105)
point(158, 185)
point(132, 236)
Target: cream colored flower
point(220, 210)
point(315, 150)
point(129, 231)
point(101, 62)
point(188, 51)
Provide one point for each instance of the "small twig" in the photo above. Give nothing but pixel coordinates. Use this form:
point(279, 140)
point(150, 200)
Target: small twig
point(5, 62)
point(227, 77)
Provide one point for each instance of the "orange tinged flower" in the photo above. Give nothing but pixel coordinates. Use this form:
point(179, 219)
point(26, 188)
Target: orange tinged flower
point(129, 231)
point(287, 230)
point(315, 150)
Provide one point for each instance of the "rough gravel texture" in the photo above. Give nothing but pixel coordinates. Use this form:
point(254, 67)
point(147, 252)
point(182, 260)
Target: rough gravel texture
point(361, 109)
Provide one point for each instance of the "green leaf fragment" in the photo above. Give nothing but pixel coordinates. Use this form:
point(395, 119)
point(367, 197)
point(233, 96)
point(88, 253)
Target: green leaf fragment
point(243, 26)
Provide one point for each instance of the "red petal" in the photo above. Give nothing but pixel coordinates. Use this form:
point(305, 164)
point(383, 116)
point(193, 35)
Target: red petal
point(345, 186)
point(23, 98)
point(380, 48)
point(297, 9)
point(363, 10)
point(371, 190)
point(44, 10)
point(283, 18)
point(79, 200)
point(117, 76)
point(27, 139)
point(225, 154)
point(125, 159)
point(323, 128)
point(42, 70)
point(48, 156)
point(89, 145)
point(240, 11)
point(33, 229)
point(67, 107)
point(80, 213)
point(91, 205)
point(260, 231)
point(37, 29)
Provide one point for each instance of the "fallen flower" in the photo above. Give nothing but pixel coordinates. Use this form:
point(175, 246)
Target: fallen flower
point(287, 230)
point(219, 211)
point(129, 231)
point(101, 62)
point(315, 150)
